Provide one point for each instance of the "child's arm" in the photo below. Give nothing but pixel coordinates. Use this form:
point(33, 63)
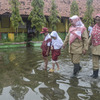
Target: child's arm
point(90, 41)
point(85, 41)
point(66, 40)
point(48, 48)
point(52, 48)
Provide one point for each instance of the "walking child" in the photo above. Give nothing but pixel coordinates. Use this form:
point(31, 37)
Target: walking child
point(56, 46)
point(45, 46)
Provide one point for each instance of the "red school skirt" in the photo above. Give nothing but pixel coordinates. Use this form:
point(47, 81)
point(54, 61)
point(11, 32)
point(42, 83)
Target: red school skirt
point(55, 54)
point(44, 54)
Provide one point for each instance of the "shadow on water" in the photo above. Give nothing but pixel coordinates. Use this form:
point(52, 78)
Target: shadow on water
point(22, 77)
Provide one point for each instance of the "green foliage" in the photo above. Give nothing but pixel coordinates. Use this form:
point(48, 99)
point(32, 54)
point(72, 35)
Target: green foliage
point(74, 8)
point(21, 37)
point(62, 35)
point(15, 16)
point(53, 18)
point(41, 37)
point(36, 16)
point(88, 19)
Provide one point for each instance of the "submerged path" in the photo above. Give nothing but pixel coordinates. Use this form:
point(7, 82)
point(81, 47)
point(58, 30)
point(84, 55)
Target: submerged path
point(22, 77)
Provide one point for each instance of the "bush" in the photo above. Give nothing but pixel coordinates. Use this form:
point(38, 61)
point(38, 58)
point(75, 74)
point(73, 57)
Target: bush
point(20, 37)
point(41, 37)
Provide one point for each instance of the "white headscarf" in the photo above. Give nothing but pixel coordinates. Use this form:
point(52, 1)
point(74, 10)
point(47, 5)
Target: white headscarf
point(77, 21)
point(77, 30)
point(56, 43)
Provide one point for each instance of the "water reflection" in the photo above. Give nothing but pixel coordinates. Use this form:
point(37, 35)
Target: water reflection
point(52, 90)
point(22, 77)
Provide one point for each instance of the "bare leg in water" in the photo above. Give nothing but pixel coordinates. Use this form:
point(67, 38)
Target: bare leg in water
point(46, 62)
point(53, 64)
point(57, 65)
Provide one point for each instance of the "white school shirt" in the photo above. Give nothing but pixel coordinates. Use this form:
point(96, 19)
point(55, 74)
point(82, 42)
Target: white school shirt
point(56, 43)
point(46, 38)
point(90, 30)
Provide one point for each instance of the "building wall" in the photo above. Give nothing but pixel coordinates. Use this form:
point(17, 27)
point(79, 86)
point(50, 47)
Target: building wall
point(6, 27)
point(60, 27)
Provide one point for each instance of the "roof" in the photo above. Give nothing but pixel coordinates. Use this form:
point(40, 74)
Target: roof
point(63, 7)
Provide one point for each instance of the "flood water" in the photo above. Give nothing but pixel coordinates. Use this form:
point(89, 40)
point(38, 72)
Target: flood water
point(22, 77)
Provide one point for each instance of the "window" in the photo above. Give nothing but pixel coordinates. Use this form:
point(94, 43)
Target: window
point(5, 22)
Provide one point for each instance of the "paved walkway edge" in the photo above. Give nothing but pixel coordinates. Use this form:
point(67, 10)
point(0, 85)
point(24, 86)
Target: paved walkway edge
point(19, 44)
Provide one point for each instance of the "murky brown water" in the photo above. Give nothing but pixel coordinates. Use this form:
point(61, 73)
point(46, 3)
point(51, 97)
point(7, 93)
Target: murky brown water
point(22, 77)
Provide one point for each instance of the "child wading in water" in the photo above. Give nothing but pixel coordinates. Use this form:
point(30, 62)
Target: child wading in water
point(56, 45)
point(45, 46)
